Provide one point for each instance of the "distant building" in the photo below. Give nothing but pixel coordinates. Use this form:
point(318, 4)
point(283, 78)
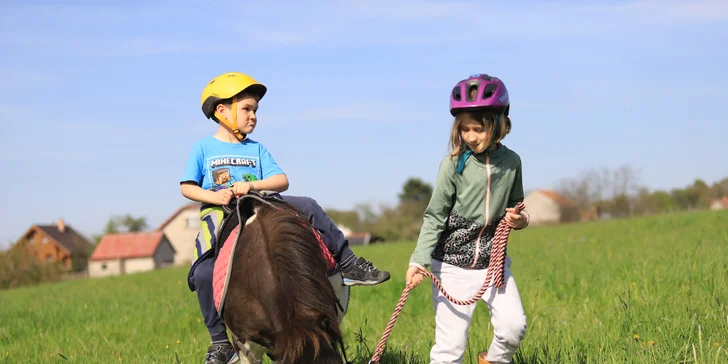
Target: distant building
point(549, 207)
point(181, 229)
point(127, 253)
point(719, 203)
point(58, 243)
point(358, 238)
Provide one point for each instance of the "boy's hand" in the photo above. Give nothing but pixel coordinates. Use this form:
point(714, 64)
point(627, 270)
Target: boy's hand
point(222, 197)
point(515, 220)
point(241, 188)
point(414, 276)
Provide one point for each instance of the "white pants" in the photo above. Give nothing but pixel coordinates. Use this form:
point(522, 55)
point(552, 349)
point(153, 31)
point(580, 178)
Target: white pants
point(452, 321)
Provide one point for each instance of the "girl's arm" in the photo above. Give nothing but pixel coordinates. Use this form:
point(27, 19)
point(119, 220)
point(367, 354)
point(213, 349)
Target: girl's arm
point(436, 214)
point(517, 195)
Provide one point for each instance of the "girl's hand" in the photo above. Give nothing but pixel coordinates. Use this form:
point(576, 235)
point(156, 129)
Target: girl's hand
point(516, 221)
point(414, 276)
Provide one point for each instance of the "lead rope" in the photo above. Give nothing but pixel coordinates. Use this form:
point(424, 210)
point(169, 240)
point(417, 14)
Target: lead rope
point(496, 272)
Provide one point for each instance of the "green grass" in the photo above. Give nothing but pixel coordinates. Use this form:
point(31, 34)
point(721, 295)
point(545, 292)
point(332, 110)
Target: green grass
point(648, 290)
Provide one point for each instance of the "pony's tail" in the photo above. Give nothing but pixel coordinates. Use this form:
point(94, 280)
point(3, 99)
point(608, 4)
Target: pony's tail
point(304, 294)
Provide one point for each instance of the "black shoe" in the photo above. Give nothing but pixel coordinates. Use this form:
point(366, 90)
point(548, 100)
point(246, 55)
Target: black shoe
point(222, 353)
point(363, 273)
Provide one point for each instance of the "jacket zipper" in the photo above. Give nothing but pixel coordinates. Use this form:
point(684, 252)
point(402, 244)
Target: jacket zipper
point(487, 213)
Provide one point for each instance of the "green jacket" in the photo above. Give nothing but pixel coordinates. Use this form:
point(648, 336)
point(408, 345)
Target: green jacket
point(456, 213)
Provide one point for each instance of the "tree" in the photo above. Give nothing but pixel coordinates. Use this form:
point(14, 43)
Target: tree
point(126, 223)
point(415, 190)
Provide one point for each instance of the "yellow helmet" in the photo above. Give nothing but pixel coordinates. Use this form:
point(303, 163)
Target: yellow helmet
point(228, 86)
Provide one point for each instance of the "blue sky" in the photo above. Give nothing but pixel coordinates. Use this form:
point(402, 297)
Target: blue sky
point(99, 104)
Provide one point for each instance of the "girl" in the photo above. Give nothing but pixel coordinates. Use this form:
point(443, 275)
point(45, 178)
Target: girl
point(478, 184)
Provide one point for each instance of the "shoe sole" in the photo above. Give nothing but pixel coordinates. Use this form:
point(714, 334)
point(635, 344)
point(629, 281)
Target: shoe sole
point(234, 359)
point(351, 282)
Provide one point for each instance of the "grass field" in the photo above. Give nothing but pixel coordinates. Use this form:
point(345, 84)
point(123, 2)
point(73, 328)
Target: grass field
point(648, 290)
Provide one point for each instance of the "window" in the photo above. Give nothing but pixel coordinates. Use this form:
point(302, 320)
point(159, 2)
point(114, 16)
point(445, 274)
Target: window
point(103, 266)
point(45, 240)
point(48, 258)
point(193, 222)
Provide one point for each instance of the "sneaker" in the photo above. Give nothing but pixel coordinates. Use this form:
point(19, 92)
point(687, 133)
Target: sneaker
point(363, 273)
point(223, 353)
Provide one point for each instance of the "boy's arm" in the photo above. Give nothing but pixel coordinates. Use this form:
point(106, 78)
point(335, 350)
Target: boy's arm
point(435, 215)
point(273, 177)
point(191, 190)
point(278, 183)
point(192, 178)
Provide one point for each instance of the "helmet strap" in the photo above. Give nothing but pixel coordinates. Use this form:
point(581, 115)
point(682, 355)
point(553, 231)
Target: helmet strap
point(231, 127)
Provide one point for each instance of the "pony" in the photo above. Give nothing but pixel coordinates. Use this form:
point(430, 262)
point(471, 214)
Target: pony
point(281, 299)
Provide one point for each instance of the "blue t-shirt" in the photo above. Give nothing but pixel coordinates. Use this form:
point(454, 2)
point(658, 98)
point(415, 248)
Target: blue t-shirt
point(214, 164)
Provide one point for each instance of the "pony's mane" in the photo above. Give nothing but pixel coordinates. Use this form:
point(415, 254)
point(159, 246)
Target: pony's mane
point(303, 291)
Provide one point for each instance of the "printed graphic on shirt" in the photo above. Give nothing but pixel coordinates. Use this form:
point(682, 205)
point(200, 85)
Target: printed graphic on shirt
point(221, 179)
point(248, 177)
point(225, 171)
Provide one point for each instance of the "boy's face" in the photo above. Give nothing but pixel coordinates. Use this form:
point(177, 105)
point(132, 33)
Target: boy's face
point(247, 107)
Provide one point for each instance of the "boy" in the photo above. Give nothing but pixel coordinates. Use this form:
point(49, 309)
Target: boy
point(228, 165)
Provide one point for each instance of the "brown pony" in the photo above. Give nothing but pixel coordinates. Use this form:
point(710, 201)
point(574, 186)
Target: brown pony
point(279, 295)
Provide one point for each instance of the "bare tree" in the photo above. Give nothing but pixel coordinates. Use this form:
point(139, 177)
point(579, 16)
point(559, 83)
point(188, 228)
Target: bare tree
point(598, 184)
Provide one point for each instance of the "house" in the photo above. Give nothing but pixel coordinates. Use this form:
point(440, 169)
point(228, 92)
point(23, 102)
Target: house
point(126, 253)
point(719, 203)
point(181, 229)
point(549, 207)
point(358, 238)
point(58, 243)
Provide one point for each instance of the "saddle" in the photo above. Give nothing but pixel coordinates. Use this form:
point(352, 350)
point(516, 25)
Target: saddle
point(235, 216)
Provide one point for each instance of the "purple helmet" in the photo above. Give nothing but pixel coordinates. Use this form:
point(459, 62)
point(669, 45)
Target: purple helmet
point(479, 91)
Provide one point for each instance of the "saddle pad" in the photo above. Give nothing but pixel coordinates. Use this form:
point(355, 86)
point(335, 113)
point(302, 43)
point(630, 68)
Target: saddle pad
point(224, 264)
point(330, 262)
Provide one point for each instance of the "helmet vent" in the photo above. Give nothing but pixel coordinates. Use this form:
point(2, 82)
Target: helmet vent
point(456, 93)
point(489, 91)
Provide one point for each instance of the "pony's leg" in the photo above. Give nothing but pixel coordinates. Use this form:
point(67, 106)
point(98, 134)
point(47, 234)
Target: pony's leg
point(342, 293)
point(249, 352)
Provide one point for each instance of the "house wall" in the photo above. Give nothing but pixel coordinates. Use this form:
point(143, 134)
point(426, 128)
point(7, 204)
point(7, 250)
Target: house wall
point(104, 268)
point(164, 256)
point(542, 209)
point(47, 249)
point(134, 265)
point(182, 232)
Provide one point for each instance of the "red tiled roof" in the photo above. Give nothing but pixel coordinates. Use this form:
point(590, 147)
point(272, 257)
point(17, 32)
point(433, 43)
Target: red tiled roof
point(127, 245)
point(558, 198)
point(194, 205)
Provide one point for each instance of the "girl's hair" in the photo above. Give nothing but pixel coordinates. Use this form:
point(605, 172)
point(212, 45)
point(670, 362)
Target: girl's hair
point(486, 118)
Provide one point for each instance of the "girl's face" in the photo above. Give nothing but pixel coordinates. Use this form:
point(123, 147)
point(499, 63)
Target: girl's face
point(474, 135)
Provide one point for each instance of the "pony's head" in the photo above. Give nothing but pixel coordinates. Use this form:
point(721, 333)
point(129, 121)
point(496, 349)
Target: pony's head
point(300, 303)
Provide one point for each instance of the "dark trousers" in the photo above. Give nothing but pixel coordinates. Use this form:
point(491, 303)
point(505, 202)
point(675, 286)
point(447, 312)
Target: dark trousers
point(201, 275)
